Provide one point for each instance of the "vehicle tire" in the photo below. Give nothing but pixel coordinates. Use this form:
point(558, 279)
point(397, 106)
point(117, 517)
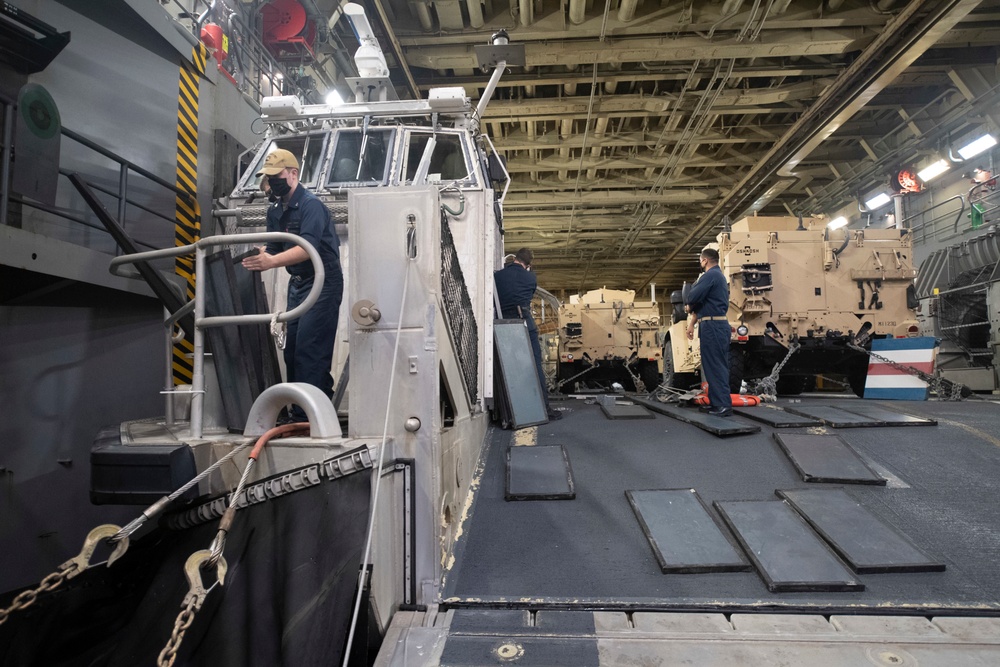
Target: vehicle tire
point(737, 368)
point(857, 381)
point(683, 381)
point(650, 375)
point(567, 371)
point(791, 385)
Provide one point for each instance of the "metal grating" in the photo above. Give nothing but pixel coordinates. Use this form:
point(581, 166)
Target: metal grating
point(458, 312)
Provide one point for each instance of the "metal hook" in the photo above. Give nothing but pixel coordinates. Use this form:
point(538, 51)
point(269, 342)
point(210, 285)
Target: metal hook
point(95, 537)
point(192, 569)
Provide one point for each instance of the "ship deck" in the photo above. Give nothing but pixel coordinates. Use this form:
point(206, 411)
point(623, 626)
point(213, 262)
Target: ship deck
point(591, 552)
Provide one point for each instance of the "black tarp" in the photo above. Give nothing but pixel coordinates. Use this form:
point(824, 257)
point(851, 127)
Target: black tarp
point(287, 599)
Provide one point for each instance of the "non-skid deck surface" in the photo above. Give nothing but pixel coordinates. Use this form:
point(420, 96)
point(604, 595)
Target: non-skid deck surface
point(826, 458)
point(788, 555)
point(591, 551)
point(616, 411)
point(684, 536)
point(776, 418)
point(868, 544)
point(888, 417)
point(720, 426)
point(539, 473)
point(834, 417)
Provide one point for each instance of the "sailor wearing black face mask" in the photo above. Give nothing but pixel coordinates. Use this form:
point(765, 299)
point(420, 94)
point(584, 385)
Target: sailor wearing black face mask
point(309, 343)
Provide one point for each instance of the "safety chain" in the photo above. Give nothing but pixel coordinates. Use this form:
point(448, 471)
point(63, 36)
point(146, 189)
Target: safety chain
point(183, 622)
point(70, 568)
point(570, 379)
point(49, 583)
point(278, 330)
point(192, 602)
point(636, 380)
point(944, 389)
point(768, 386)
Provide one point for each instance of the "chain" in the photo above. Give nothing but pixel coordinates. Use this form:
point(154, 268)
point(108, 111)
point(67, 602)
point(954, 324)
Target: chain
point(944, 389)
point(278, 330)
point(183, 622)
point(768, 386)
point(49, 583)
point(570, 379)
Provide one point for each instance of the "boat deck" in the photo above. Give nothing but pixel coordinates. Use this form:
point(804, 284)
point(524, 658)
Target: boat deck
point(590, 552)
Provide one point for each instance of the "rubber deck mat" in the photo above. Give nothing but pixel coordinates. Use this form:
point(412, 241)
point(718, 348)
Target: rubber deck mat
point(826, 458)
point(539, 473)
point(865, 542)
point(626, 412)
point(775, 417)
point(890, 417)
point(684, 536)
point(720, 426)
point(835, 417)
point(788, 555)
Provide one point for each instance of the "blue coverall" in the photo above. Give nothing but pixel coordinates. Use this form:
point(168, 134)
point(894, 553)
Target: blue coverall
point(709, 297)
point(310, 339)
point(515, 288)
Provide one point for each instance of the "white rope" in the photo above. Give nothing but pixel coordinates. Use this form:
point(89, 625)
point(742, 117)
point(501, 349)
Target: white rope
point(377, 473)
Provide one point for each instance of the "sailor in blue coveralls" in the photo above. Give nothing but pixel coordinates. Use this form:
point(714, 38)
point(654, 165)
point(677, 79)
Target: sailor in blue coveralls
point(708, 300)
point(309, 339)
point(516, 286)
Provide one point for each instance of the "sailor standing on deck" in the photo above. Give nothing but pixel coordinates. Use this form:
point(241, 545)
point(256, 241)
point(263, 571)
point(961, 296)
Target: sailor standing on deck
point(708, 303)
point(516, 286)
point(310, 339)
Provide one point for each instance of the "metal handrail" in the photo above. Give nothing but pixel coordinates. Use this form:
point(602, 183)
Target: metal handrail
point(200, 249)
point(958, 218)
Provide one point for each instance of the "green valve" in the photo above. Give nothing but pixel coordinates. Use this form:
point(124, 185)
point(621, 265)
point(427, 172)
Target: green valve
point(976, 215)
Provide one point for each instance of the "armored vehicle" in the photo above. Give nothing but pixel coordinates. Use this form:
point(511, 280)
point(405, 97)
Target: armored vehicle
point(607, 336)
point(808, 296)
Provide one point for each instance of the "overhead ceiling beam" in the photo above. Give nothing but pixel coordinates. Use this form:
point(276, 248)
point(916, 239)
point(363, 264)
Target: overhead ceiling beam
point(919, 25)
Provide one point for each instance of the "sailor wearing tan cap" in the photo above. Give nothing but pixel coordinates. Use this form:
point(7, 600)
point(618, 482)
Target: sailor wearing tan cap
point(310, 339)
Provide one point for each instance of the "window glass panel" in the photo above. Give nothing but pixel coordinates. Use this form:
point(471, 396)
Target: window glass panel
point(448, 162)
point(349, 166)
point(307, 149)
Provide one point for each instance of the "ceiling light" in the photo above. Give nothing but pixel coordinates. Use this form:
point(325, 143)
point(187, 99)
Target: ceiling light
point(279, 75)
point(837, 223)
point(334, 99)
point(978, 146)
point(933, 170)
point(878, 201)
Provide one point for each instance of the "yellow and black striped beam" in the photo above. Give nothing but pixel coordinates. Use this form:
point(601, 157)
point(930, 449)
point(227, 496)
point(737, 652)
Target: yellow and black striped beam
point(187, 215)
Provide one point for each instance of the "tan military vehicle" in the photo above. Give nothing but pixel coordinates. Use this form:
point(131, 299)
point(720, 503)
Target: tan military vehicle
point(796, 281)
point(607, 336)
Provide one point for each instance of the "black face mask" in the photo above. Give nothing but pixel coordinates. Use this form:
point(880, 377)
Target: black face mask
point(279, 186)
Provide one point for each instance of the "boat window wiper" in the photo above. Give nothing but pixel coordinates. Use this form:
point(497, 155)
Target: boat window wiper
point(364, 146)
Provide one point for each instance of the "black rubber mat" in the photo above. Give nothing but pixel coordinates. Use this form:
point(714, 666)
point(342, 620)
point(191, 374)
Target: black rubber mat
point(539, 473)
point(835, 417)
point(720, 426)
point(865, 542)
point(788, 555)
point(775, 418)
point(826, 458)
point(684, 536)
point(616, 411)
point(889, 417)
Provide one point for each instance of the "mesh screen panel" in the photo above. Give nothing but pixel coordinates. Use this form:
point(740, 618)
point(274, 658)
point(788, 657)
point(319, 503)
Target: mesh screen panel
point(458, 313)
point(964, 317)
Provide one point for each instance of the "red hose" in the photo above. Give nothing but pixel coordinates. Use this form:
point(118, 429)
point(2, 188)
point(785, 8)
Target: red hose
point(276, 432)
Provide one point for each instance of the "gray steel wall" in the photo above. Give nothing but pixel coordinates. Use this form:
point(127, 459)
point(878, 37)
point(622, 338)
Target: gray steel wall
point(77, 357)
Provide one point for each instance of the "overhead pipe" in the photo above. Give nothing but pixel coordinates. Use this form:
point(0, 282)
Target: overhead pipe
point(780, 6)
point(626, 11)
point(527, 12)
point(577, 11)
point(565, 132)
point(423, 11)
point(475, 13)
point(533, 153)
point(600, 128)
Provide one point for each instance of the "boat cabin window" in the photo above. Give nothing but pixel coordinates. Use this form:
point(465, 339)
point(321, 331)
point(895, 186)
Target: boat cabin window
point(307, 148)
point(357, 162)
point(448, 162)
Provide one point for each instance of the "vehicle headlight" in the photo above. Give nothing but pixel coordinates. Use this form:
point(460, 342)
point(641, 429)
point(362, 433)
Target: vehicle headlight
point(742, 330)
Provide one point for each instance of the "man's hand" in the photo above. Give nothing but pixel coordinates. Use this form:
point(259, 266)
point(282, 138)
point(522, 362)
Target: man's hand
point(259, 262)
point(690, 325)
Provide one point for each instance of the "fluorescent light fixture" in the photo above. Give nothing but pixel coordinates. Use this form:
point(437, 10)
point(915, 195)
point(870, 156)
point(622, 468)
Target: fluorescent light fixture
point(976, 147)
point(334, 99)
point(837, 223)
point(878, 201)
point(933, 170)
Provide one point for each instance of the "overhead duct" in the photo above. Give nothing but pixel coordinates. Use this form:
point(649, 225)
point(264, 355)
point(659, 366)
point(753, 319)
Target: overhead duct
point(626, 11)
point(577, 11)
point(475, 13)
point(527, 12)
